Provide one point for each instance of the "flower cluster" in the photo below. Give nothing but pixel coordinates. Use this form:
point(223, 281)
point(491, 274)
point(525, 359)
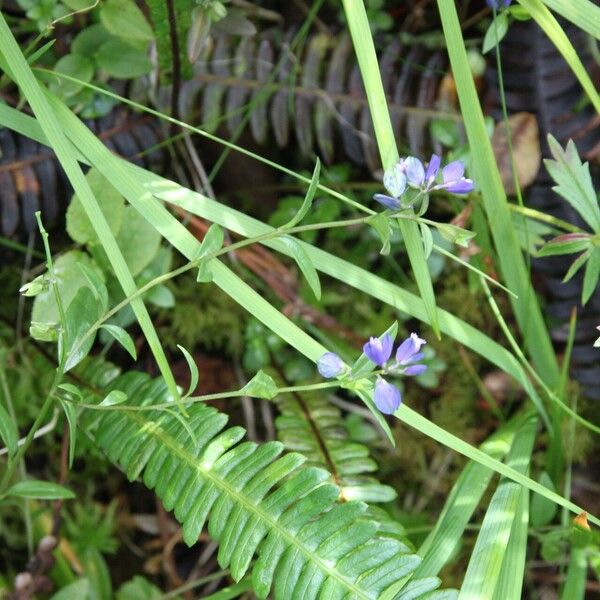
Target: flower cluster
point(387, 397)
point(410, 172)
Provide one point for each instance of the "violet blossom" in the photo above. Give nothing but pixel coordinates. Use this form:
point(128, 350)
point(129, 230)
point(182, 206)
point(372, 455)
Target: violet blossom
point(379, 350)
point(330, 365)
point(386, 396)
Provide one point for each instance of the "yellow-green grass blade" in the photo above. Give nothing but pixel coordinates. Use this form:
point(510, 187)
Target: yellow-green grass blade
point(129, 179)
point(546, 20)
point(485, 170)
point(583, 13)
point(38, 100)
point(329, 264)
point(358, 24)
point(462, 501)
point(485, 564)
point(510, 583)
point(574, 588)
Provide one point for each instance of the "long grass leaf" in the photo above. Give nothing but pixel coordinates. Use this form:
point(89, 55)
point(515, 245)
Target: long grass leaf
point(485, 564)
point(514, 271)
point(583, 13)
point(360, 31)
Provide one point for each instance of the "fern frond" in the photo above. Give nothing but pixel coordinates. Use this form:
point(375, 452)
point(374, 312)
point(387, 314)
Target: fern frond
point(256, 501)
point(310, 424)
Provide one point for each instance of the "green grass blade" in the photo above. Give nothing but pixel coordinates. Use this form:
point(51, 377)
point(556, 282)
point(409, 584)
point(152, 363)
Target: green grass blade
point(362, 40)
point(583, 13)
point(485, 564)
point(576, 575)
point(546, 20)
point(38, 101)
point(512, 264)
point(464, 498)
point(510, 583)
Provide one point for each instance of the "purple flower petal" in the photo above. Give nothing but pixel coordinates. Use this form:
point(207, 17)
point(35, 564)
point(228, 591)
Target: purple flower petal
point(415, 370)
point(416, 358)
point(462, 186)
point(453, 171)
point(394, 180)
point(387, 201)
point(378, 350)
point(409, 348)
point(415, 173)
point(387, 397)
point(432, 169)
point(330, 365)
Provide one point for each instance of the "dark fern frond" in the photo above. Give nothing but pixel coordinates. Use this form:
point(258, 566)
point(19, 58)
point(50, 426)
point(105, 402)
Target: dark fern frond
point(310, 424)
point(258, 502)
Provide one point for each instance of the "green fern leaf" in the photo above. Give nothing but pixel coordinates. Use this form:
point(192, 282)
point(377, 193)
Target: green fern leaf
point(257, 501)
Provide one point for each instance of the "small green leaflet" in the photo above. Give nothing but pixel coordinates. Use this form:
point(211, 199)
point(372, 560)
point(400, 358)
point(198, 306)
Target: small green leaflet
point(97, 285)
point(212, 242)
point(496, 31)
point(41, 490)
point(124, 19)
point(122, 337)
point(566, 244)
point(456, 235)
point(542, 510)
point(71, 415)
point(80, 317)
point(591, 276)
point(261, 386)
point(8, 431)
point(193, 370)
point(79, 589)
point(308, 199)
point(305, 264)
point(114, 397)
point(381, 224)
point(427, 239)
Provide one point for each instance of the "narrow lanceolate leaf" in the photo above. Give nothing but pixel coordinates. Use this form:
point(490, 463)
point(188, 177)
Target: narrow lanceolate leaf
point(304, 264)
point(485, 565)
point(591, 275)
point(269, 513)
point(40, 490)
point(514, 271)
point(194, 375)
point(362, 40)
point(8, 431)
point(308, 199)
point(119, 334)
point(583, 13)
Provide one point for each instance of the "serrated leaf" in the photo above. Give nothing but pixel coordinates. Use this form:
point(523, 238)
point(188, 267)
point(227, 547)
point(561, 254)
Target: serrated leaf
point(40, 490)
point(124, 19)
point(495, 32)
point(542, 510)
point(427, 239)
point(304, 264)
point(577, 264)
point(122, 337)
point(308, 199)
point(381, 224)
point(261, 386)
point(113, 398)
point(566, 244)
point(574, 182)
point(591, 276)
point(110, 201)
point(8, 431)
point(193, 370)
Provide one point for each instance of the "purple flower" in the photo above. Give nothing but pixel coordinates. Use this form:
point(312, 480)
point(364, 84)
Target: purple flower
point(415, 173)
point(387, 201)
point(379, 350)
point(387, 397)
point(415, 370)
point(394, 180)
point(432, 170)
point(409, 350)
point(454, 180)
point(330, 365)
point(495, 4)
